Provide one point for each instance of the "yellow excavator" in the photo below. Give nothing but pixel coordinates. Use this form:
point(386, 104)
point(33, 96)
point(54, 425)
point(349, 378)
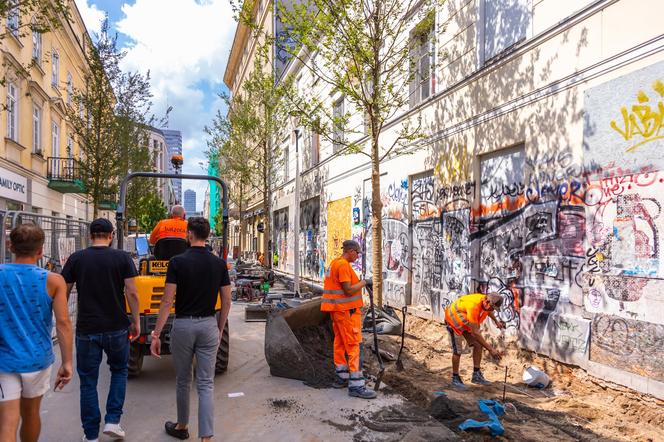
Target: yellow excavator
point(152, 276)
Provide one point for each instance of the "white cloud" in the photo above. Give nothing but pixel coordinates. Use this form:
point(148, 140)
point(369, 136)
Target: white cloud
point(92, 17)
point(185, 45)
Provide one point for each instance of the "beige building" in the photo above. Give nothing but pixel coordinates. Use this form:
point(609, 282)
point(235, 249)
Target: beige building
point(540, 176)
point(37, 146)
point(246, 229)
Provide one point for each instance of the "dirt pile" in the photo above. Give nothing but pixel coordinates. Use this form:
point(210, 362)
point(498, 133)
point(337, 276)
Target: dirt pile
point(577, 406)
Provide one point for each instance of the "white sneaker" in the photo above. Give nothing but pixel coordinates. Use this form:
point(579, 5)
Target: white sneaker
point(85, 439)
point(114, 430)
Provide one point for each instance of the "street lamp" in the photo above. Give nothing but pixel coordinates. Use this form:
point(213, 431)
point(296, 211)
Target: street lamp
point(296, 276)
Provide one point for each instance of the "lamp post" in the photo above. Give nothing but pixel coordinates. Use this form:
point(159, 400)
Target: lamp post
point(296, 276)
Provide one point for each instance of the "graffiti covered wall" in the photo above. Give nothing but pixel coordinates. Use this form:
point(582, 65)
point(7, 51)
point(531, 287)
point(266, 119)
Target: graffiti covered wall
point(338, 227)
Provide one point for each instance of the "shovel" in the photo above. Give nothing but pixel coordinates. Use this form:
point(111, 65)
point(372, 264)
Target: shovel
point(379, 376)
point(399, 364)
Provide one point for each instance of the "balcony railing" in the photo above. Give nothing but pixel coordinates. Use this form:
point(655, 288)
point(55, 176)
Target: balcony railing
point(64, 175)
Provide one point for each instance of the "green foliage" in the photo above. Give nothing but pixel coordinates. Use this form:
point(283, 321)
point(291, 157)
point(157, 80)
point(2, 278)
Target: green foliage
point(149, 210)
point(110, 119)
point(218, 226)
point(360, 51)
point(34, 15)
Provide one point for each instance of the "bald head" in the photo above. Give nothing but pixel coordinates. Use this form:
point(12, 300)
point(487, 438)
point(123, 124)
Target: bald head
point(177, 211)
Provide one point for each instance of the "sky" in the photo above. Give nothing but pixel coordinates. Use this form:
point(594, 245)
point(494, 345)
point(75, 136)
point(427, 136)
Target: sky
point(185, 45)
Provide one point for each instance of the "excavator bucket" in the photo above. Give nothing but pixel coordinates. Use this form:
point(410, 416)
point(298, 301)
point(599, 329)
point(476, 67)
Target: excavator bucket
point(298, 344)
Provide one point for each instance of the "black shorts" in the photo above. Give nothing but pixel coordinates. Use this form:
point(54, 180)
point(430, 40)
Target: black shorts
point(456, 342)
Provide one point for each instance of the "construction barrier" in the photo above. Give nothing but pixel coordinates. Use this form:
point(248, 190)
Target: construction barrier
point(63, 236)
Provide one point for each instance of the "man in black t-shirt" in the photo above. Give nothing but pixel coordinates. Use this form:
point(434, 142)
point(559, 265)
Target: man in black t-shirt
point(103, 278)
point(196, 277)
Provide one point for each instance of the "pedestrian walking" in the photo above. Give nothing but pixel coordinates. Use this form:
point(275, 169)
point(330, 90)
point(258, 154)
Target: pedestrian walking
point(342, 297)
point(29, 296)
point(196, 277)
point(463, 318)
point(104, 279)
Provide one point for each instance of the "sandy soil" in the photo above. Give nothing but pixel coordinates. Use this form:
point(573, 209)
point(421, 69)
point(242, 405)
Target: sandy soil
point(576, 406)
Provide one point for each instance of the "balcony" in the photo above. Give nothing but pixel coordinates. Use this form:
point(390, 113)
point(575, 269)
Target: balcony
point(64, 175)
point(107, 200)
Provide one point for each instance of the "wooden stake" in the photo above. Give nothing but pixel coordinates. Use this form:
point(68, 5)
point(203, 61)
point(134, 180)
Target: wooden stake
point(505, 384)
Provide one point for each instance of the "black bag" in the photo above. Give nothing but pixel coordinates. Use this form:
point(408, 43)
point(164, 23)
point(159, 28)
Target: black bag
point(387, 322)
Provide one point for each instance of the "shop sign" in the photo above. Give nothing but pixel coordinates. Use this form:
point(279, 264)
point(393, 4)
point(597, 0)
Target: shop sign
point(13, 186)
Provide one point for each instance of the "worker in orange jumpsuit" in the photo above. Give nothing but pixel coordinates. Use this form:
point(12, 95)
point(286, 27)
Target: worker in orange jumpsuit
point(463, 318)
point(342, 297)
point(173, 227)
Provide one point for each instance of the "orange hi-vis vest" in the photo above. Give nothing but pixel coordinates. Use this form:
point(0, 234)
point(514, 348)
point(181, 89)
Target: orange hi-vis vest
point(464, 311)
point(334, 298)
point(169, 228)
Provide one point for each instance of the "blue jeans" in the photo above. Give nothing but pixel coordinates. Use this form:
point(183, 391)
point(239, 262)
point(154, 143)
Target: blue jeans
point(88, 358)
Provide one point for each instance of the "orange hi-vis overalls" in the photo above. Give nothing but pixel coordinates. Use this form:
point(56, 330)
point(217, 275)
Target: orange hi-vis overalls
point(346, 321)
point(464, 311)
point(169, 228)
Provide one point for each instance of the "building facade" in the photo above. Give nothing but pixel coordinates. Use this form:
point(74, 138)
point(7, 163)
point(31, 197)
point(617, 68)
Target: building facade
point(37, 145)
point(162, 159)
point(174, 144)
point(539, 177)
point(190, 201)
point(247, 228)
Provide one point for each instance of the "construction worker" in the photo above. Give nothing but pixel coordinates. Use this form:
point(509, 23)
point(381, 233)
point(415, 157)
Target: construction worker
point(342, 297)
point(463, 318)
point(173, 227)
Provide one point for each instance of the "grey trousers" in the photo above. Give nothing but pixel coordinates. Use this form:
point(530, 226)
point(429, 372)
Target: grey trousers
point(200, 338)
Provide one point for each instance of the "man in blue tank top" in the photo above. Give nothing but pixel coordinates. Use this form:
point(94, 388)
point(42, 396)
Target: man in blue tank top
point(29, 296)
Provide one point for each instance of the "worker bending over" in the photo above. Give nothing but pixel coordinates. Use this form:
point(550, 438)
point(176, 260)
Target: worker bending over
point(174, 227)
point(463, 318)
point(342, 297)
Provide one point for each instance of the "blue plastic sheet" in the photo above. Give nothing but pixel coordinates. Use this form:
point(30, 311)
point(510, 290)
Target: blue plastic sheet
point(493, 409)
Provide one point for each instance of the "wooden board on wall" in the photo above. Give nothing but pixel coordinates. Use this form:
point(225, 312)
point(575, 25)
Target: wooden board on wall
point(339, 218)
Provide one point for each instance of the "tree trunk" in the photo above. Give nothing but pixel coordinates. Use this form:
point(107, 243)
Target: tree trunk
point(267, 254)
point(376, 223)
point(239, 243)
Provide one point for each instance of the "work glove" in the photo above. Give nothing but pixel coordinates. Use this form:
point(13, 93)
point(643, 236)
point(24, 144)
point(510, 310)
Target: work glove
point(369, 282)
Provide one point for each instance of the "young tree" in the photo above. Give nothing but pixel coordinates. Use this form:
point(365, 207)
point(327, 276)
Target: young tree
point(227, 142)
point(363, 50)
point(109, 118)
point(149, 211)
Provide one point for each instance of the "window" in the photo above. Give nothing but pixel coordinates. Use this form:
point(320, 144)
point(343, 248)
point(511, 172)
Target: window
point(12, 112)
point(70, 88)
point(337, 116)
point(37, 47)
point(70, 146)
point(55, 140)
point(13, 18)
point(286, 161)
point(503, 24)
point(315, 149)
point(55, 69)
point(36, 129)
point(421, 62)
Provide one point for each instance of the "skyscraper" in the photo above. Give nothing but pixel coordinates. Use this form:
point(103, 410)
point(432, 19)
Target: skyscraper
point(190, 201)
point(174, 144)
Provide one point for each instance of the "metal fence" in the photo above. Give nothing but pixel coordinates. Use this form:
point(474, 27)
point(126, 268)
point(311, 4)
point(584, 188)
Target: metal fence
point(63, 236)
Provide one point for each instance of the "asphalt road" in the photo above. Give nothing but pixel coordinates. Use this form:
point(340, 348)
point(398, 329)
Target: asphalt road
point(303, 413)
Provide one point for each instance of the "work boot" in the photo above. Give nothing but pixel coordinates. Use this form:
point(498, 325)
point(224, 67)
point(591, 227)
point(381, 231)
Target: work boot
point(478, 378)
point(340, 382)
point(362, 392)
point(458, 383)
